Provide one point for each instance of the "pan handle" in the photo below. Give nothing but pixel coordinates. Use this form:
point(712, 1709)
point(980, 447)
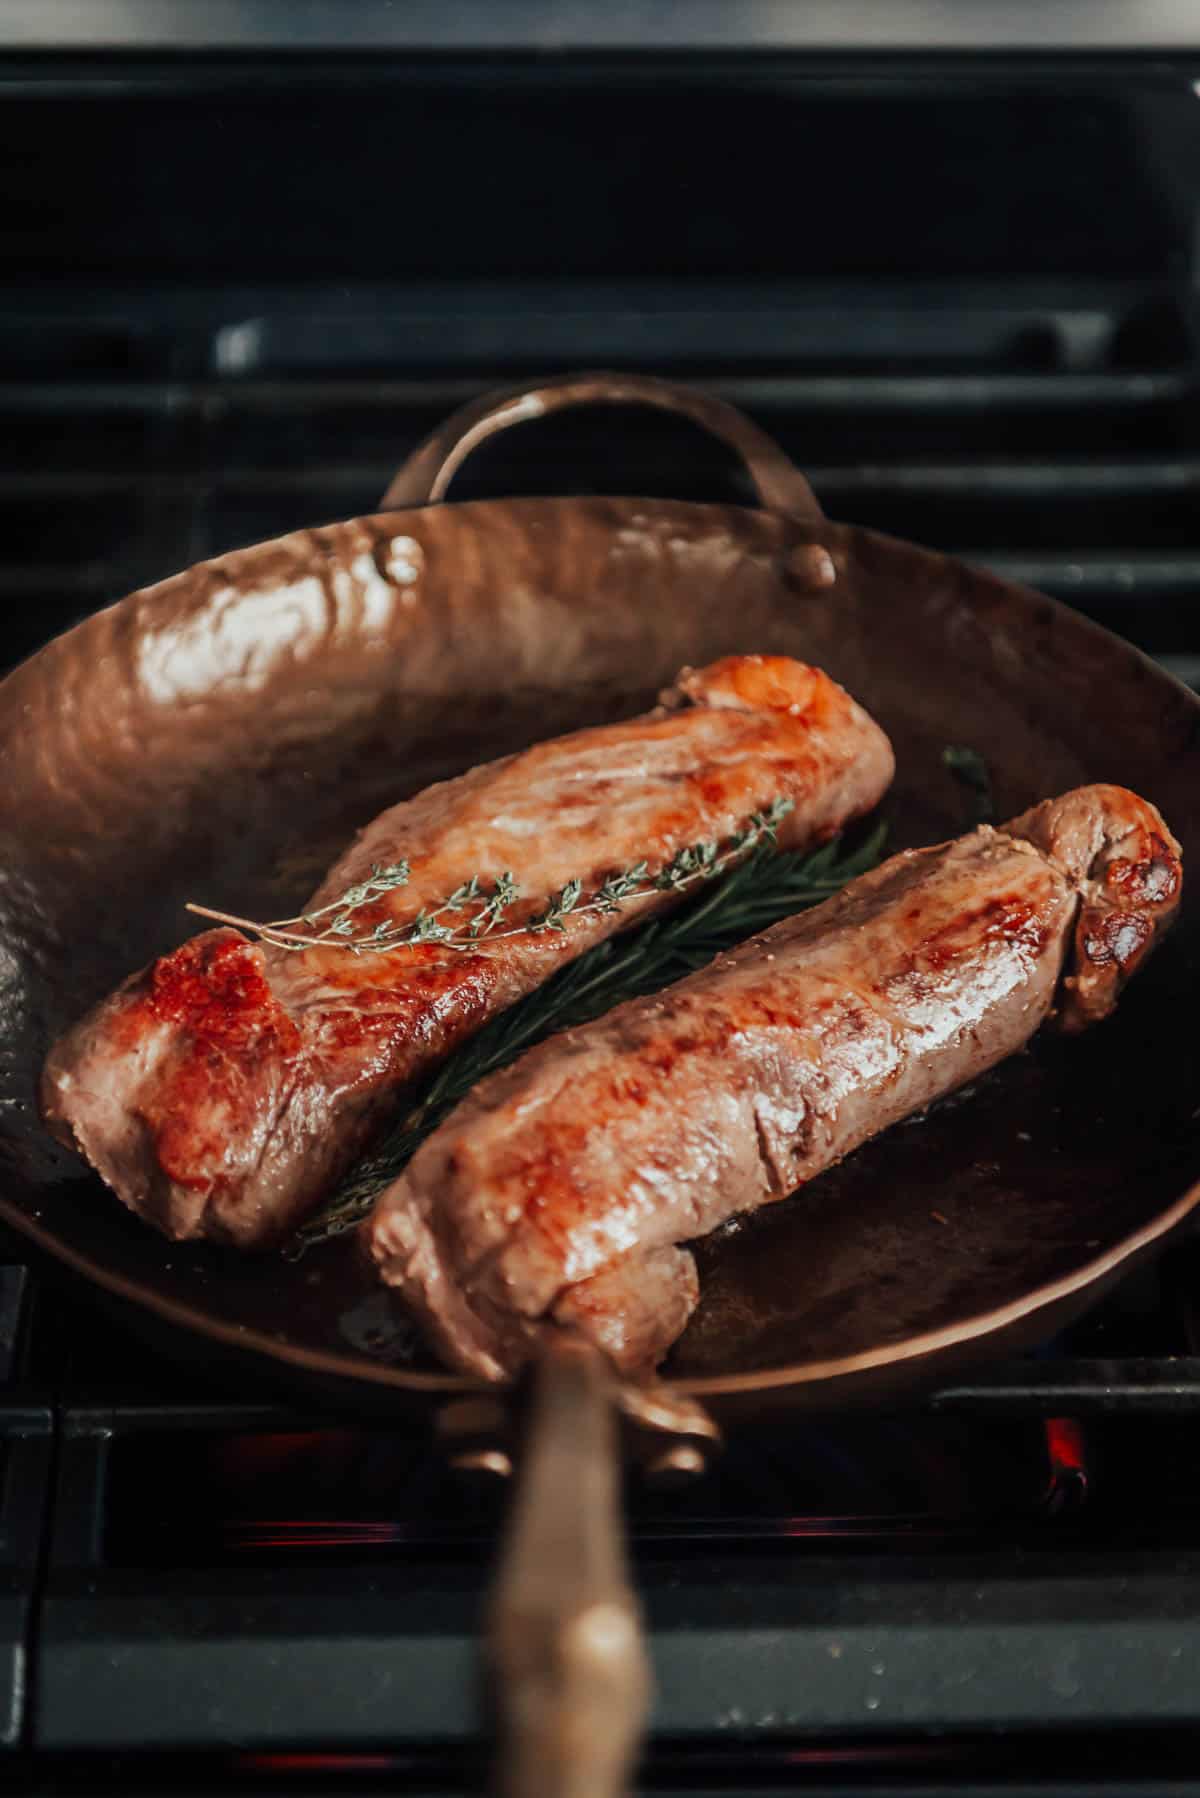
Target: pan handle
point(563, 1633)
point(427, 474)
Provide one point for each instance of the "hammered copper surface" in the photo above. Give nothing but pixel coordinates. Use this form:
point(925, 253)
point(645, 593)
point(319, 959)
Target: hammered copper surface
point(219, 735)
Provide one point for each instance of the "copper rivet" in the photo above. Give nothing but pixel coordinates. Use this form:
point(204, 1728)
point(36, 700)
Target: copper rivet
point(813, 565)
point(679, 1458)
point(484, 1460)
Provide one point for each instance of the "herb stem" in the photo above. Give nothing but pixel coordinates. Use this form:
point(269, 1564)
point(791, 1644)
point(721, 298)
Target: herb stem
point(696, 863)
point(269, 933)
point(761, 889)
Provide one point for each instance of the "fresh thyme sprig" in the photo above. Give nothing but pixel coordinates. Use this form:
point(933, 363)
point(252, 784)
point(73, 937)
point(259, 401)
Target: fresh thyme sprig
point(492, 901)
point(281, 931)
point(763, 888)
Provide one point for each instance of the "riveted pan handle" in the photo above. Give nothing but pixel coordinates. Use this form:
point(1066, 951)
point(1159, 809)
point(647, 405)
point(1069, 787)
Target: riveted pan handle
point(428, 472)
point(564, 1637)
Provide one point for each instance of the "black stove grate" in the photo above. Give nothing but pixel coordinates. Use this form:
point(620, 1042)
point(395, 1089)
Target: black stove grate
point(1054, 441)
point(235, 298)
point(975, 327)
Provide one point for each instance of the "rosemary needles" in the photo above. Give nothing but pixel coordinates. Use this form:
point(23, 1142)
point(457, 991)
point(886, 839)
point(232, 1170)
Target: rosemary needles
point(738, 902)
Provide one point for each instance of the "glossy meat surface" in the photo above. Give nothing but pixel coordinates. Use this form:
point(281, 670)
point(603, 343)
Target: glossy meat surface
point(563, 1188)
point(221, 1090)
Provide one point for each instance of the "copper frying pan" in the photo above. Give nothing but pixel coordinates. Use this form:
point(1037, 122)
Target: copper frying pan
point(221, 734)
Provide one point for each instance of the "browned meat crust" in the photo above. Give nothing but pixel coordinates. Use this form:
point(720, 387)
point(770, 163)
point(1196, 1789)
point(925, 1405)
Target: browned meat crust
point(223, 1089)
point(561, 1189)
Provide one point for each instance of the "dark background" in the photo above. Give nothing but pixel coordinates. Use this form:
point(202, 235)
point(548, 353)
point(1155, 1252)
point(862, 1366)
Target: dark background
point(236, 290)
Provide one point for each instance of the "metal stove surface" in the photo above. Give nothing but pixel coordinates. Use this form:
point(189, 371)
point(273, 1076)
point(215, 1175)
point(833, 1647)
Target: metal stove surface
point(1006, 1579)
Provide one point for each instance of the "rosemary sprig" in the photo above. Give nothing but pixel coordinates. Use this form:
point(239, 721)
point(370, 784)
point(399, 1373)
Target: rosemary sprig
point(763, 888)
point(696, 862)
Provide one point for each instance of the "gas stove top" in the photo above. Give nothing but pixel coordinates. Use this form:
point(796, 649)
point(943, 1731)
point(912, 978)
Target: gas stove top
point(238, 290)
point(203, 1578)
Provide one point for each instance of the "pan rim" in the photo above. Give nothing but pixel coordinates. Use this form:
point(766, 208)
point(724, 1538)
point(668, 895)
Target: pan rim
point(229, 559)
point(347, 1367)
